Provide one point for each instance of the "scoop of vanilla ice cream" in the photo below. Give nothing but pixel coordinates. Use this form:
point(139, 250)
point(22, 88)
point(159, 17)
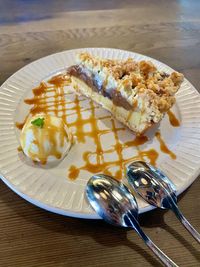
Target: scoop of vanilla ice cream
point(45, 138)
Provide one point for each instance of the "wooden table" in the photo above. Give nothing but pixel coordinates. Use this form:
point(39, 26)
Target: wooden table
point(166, 30)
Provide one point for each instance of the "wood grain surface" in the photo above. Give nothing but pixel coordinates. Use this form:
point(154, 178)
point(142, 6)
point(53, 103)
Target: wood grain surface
point(166, 30)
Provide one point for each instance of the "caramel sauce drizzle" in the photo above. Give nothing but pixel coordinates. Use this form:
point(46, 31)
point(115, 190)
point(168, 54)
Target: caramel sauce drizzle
point(60, 106)
point(172, 119)
point(163, 146)
point(103, 166)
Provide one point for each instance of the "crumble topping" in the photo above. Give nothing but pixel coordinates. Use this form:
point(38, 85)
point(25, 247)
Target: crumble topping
point(142, 92)
point(135, 80)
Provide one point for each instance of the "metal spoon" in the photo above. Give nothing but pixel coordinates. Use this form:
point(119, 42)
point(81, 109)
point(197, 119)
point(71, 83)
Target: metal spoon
point(155, 188)
point(115, 204)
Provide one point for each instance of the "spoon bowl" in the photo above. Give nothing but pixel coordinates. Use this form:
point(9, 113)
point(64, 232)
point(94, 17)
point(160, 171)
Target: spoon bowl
point(151, 184)
point(157, 189)
point(114, 202)
point(111, 199)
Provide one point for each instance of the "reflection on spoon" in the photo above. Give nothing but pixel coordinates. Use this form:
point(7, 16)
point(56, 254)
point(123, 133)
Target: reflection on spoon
point(155, 188)
point(113, 201)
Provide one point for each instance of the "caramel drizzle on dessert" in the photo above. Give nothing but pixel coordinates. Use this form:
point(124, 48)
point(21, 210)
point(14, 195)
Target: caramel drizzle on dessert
point(61, 106)
point(172, 119)
point(20, 125)
point(19, 149)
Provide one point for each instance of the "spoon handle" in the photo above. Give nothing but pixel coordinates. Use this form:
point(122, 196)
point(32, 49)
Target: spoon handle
point(162, 257)
point(185, 222)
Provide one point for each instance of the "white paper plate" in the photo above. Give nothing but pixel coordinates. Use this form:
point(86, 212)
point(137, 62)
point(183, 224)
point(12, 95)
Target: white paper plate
point(51, 189)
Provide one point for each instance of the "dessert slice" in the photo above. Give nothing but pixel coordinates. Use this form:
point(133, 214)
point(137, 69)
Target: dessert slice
point(136, 93)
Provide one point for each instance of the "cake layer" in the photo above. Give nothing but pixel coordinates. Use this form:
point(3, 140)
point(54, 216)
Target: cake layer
point(93, 83)
point(135, 120)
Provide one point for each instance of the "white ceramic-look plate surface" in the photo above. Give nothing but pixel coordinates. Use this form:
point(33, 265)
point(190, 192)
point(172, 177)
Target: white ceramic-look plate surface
point(50, 188)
